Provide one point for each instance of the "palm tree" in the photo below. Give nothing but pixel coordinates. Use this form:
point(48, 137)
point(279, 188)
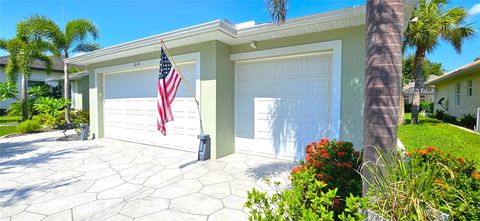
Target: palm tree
point(72, 39)
point(25, 48)
point(433, 22)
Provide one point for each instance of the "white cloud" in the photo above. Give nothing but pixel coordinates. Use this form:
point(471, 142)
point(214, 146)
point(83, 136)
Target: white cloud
point(475, 9)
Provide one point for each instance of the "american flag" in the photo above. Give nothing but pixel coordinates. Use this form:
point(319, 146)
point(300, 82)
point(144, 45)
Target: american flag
point(167, 86)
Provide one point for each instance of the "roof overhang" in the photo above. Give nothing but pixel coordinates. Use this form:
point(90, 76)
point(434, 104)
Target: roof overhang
point(472, 68)
point(231, 34)
point(75, 76)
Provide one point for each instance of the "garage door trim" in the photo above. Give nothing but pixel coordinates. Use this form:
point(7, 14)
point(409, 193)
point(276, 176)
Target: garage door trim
point(334, 47)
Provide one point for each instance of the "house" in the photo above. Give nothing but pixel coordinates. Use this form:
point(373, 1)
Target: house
point(78, 89)
point(55, 78)
point(426, 93)
point(263, 89)
point(458, 92)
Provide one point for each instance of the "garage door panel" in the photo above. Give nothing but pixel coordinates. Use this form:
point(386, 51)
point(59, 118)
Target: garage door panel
point(290, 107)
point(131, 110)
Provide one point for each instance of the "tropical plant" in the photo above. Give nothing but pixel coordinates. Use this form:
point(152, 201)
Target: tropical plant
point(16, 109)
point(28, 126)
point(404, 189)
point(40, 91)
point(51, 109)
point(307, 199)
point(432, 22)
point(429, 68)
point(72, 39)
point(459, 197)
point(8, 90)
point(28, 45)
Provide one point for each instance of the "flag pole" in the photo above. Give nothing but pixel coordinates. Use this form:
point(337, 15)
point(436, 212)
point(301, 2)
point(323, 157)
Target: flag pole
point(186, 84)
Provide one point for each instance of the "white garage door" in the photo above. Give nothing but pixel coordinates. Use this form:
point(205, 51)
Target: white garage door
point(130, 110)
point(282, 105)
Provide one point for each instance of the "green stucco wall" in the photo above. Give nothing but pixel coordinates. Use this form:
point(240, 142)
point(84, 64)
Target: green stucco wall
point(353, 69)
point(468, 104)
point(217, 84)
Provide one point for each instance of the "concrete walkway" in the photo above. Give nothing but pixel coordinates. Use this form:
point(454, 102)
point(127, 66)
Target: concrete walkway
point(45, 179)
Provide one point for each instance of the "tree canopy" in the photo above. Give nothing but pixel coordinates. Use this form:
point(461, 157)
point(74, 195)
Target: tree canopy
point(429, 68)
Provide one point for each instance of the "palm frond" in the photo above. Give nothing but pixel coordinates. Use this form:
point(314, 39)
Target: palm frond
point(47, 60)
point(86, 47)
point(278, 10)
point(76, 31)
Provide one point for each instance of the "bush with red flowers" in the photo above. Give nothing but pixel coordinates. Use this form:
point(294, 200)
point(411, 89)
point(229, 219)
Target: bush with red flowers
point(335, 163)
point(458, 195)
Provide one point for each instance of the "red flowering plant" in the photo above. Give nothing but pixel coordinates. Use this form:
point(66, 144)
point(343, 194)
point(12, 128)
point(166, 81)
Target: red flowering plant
point(334, 163)
point(458, 185)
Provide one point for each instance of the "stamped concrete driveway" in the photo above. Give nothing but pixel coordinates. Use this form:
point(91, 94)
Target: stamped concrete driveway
point(45, 179)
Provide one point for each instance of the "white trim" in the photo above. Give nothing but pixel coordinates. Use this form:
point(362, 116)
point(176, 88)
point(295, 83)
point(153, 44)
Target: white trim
point(334, 47)
point(148, 64)
point(288, 51)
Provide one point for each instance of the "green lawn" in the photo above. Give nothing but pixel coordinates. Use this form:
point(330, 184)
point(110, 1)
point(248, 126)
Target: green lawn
point(4, 130)
point(430, 132)
point(8, 119)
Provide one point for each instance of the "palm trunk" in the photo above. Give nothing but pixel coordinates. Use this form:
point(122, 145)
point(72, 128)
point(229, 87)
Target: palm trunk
point(419, 58)
point(383, 76)
point(24, 98)
point(66, 92)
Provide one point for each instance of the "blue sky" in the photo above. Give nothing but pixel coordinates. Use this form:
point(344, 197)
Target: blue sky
point(125, 20)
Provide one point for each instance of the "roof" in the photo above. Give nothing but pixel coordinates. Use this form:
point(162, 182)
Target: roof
point(75, 76)
point(412, 84)
point(471, 68)
point(38, 64)
point(233, 34)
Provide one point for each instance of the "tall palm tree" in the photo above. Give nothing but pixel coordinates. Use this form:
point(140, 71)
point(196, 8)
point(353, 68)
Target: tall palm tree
point(24, 49)
point(432, 22)
point(72, 39)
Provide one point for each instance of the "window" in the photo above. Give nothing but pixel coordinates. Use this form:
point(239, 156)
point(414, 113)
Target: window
point(469, 88)
point(457, 93)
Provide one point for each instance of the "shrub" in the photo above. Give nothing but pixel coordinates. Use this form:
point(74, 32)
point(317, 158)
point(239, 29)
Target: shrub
point(51, 110)
point(40, 91)
point(408, 107)
point(28, 126)
point(458, 189)
point(324, 187)
point(468, 121)
point(439, 114)
point(335, 163)
point(427, 106)
point(403, 189)
point(308, 199)
point(3, 111)
point(80, 117)
point(15, 109)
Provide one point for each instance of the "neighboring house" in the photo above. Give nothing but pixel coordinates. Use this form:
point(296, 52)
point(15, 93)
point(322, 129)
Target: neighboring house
point(458, 91)
point(37, 77)
point(263, 89)
point(78, 89)
point(426, 94)
point(40, 77)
